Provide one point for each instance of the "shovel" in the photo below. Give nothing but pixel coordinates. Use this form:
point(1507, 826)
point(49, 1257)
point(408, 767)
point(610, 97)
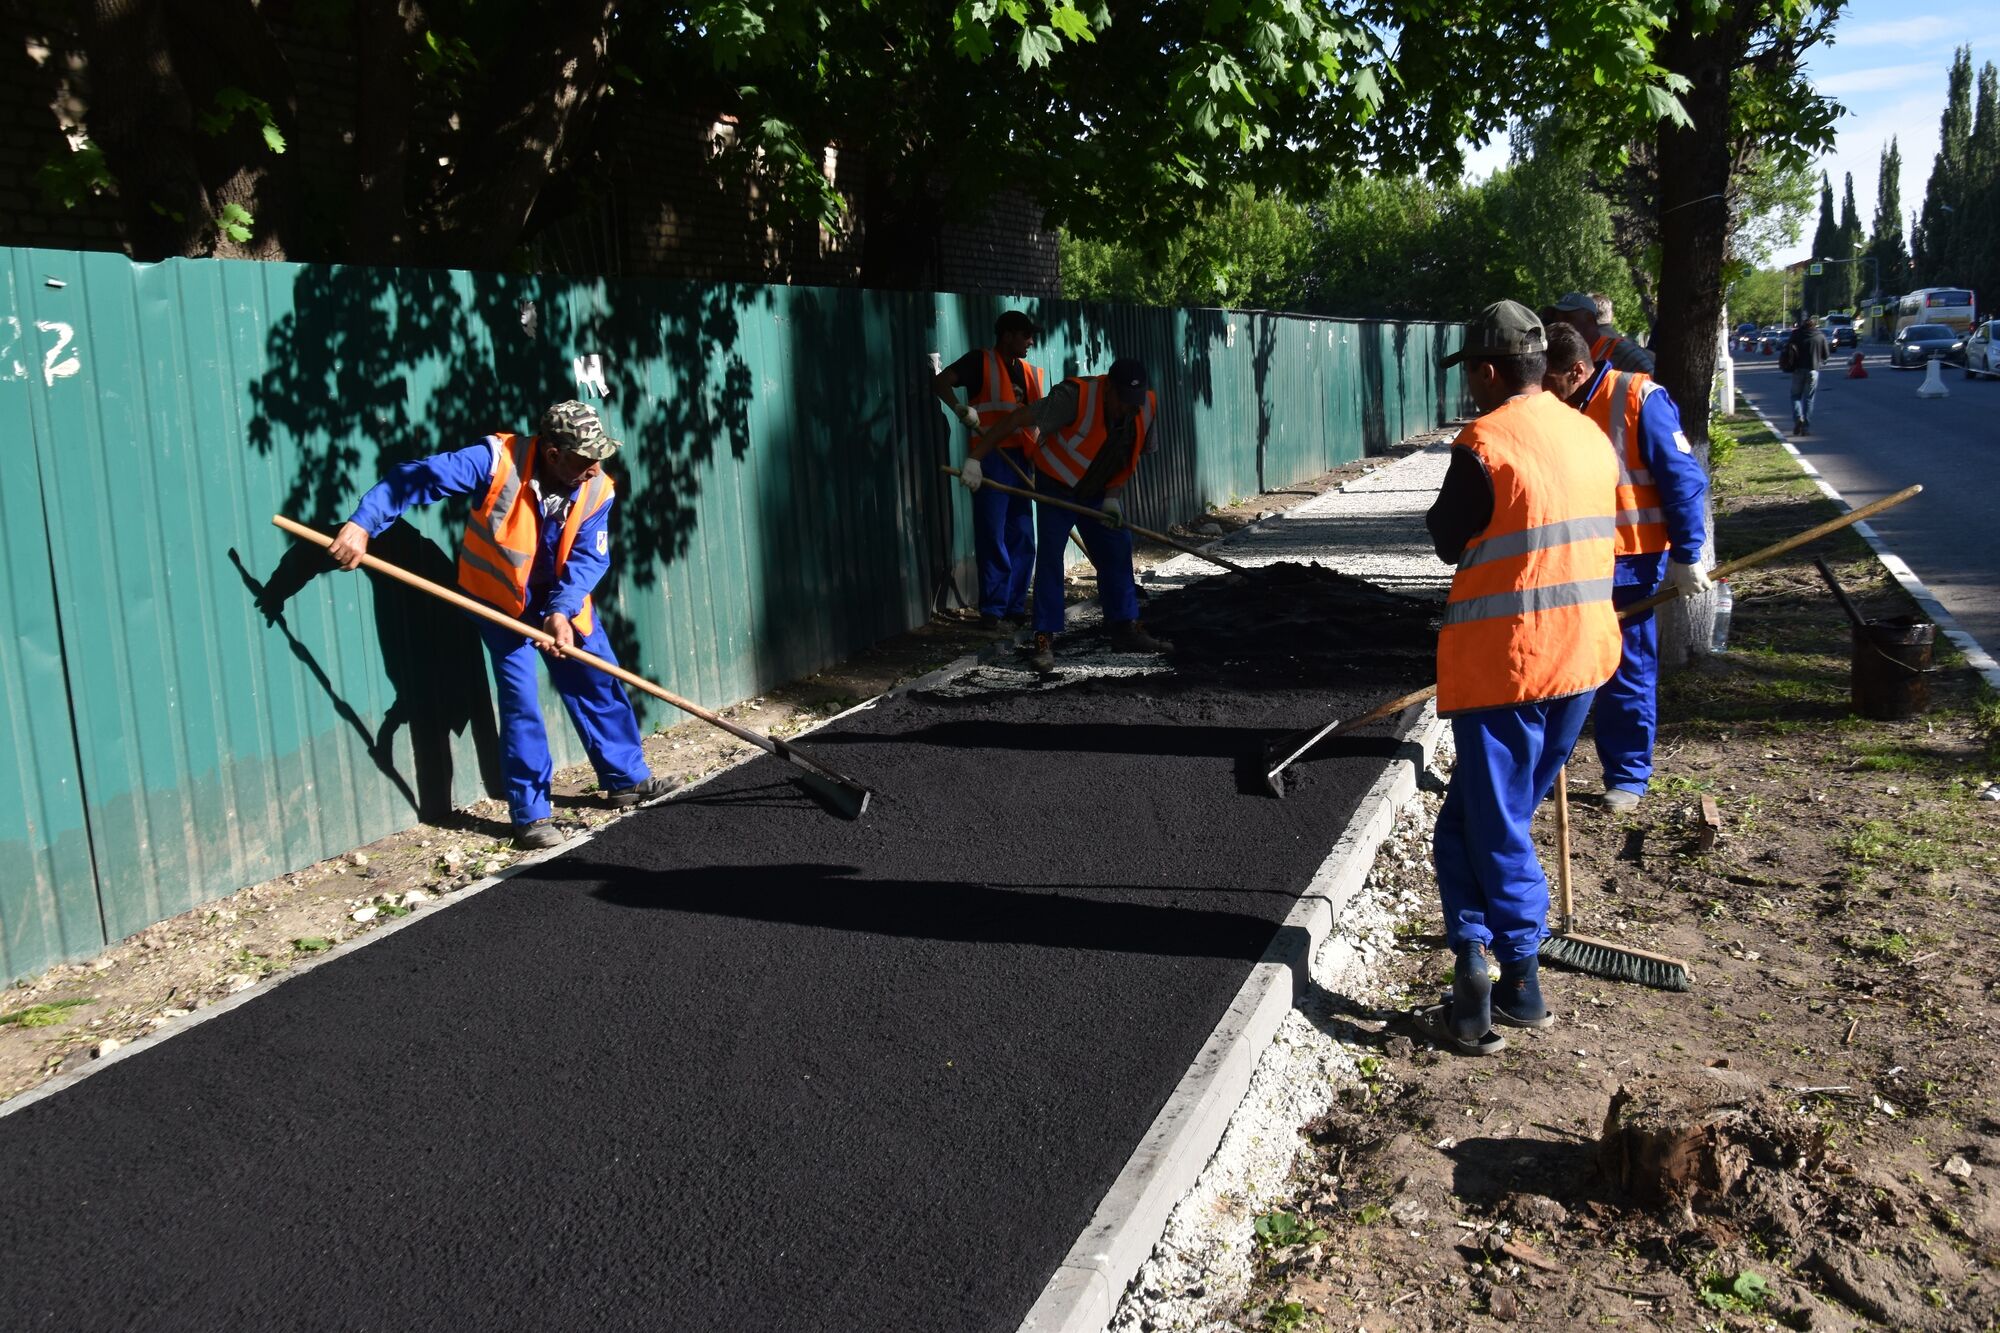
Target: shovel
point(1085, 510)
point(844, 796)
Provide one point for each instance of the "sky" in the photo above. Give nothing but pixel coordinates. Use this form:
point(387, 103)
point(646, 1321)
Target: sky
point(1887, 66)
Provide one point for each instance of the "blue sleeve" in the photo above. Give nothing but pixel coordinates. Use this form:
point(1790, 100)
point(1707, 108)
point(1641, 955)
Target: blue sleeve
point(589, 557)
point(1677, 473)
point(425, 481)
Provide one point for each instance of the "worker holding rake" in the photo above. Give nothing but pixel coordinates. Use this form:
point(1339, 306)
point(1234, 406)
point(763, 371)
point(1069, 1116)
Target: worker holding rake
point(1527, 513)
point(535, 545)
point(998, 381)
point(1089, 434)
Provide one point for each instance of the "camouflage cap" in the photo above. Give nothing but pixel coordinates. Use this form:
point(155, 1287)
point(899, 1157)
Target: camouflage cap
point(574, 428)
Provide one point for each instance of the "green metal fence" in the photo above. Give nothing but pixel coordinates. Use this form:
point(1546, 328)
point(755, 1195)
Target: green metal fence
point(191, 704)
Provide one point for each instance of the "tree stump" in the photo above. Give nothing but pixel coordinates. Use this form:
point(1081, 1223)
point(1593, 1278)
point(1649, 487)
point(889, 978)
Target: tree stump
point(1680, 1140)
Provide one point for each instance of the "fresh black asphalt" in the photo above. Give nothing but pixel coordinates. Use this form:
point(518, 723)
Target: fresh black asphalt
point(735, 1063)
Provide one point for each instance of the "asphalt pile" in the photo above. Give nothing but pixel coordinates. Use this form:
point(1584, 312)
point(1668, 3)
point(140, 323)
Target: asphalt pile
point(1287, 625)
point(735, 1063)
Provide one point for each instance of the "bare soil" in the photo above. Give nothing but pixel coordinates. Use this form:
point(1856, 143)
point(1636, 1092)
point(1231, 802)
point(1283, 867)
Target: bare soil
point(74, 1012)
point(1806, 1139)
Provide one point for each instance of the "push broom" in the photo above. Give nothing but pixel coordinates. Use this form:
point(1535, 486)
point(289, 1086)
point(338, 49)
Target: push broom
point(1583, 953)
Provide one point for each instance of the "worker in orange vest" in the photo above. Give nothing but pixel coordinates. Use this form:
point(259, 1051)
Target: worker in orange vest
point(1528, 514)
point(535, 545)
point(1089, 434)
point(1662, 498)
point(998, 380)
point(1590, 315)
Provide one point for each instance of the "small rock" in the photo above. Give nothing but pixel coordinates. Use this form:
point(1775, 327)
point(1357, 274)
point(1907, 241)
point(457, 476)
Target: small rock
point(415, 898)
point(363, 914)
point(104, 1047)
point(237, 981)
point(485, 868)
point(1504, 1304)
point(453, 857)
point(1537, 1212)
point(103, 965)
point(1957, 1168)
point(1210, 530)
point(1400, 1048)
point(359, 860)
point(1408, 1213)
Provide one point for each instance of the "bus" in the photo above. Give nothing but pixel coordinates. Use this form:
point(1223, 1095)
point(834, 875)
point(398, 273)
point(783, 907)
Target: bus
point(1936, 305)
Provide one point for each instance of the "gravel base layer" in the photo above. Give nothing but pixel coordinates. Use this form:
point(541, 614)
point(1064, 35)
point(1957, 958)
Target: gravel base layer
point(734, 1063)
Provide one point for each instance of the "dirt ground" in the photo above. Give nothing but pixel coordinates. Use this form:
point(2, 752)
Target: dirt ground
point(78, 1011)
point(1831, 1065)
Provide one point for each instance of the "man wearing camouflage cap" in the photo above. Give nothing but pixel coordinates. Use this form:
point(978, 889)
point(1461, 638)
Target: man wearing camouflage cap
point(537, 542)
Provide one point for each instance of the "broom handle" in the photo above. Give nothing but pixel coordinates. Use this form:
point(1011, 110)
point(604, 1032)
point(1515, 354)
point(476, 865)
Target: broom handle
point(1564, 902)
point(542, 637)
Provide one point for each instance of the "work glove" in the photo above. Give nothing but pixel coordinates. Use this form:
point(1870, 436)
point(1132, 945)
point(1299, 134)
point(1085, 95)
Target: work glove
point(964, 412)
point(1113, 513)
point(1688, 579)
point(971, 475)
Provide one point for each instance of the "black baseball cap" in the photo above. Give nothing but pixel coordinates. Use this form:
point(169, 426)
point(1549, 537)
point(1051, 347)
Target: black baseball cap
point(1015, 321)
point(1505, 328)
point(1128, 381)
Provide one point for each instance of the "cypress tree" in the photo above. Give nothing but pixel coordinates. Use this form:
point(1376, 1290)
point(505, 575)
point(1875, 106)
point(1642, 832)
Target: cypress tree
point(1886, 243)
point(1848, 282)
point(1826, 245)
point(1944, 196)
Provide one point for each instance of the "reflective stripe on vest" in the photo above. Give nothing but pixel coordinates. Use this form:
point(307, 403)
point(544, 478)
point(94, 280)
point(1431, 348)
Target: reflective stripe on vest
point(1530, 614)
point(996, 395)
point(496, 556)
point(1066, 454)
point(1616, 407)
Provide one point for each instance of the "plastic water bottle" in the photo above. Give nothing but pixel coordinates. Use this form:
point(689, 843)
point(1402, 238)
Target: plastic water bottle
point(1725, 602)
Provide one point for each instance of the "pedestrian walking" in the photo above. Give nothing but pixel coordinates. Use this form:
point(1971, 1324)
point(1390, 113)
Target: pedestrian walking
point(1528, 514)
point(1804, 352)
point(535, 546)
point(1591, 316)
point(998, 381)
point(1662, 500)
point(1089, 433)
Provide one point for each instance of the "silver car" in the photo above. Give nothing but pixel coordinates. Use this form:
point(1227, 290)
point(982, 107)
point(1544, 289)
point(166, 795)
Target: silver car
point(1924, 342)
point(1982, 350)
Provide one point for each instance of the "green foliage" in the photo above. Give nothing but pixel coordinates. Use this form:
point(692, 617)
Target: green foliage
point(70, 177)
point(235, 222)
point(1278, 1229)
point(1285, 1317)
point(1247, 251)
point(1746, 1293)
point(233, 102)
point(43, 1015)
point(1885, 242)
point(312, 944)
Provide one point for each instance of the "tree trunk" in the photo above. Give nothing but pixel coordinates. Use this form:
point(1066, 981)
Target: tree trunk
point(386, 34)
point(542, 106)
point(902, 228)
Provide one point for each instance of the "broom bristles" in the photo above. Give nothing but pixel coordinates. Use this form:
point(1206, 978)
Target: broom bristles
point(1603, 959)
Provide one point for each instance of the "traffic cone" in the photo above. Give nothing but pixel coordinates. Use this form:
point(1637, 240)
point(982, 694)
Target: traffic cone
point(1855, 370)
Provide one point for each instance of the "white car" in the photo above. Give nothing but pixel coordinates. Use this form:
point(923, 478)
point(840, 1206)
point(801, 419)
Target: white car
point(1982, 350)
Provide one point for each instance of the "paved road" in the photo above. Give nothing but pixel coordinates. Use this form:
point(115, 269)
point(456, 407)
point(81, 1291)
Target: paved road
point(1873, 437)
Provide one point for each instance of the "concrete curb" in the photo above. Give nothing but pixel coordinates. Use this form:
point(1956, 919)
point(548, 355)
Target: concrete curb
point(441, 903)
point(1975, 655)
point(1083, 1294)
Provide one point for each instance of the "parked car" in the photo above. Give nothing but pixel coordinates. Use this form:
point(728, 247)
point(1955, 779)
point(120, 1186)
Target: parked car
point(1746, 336)
point(1772, 338)
point(1982, 350)
point(1840, 332)
point(1924, 342)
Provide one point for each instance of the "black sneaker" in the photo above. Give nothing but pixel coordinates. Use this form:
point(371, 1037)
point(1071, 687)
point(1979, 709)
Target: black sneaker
point(1131, 637)
point(538, 836)
point(652, 789)
point(1042, 657)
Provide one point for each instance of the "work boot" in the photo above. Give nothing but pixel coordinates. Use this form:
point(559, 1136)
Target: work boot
point(1016, 619)
point(991, 624)
point(1621, 800)
point(1131, 637)
point(1517, 1000)
point(537, 836)
point(1042, 656)
point(652, 789)
point(1472, 993)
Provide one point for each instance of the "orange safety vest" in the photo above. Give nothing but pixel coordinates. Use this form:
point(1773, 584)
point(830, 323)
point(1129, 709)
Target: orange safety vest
point(1066, 454)
point(1530, 614)
point(497, 553)
point(1621, 395)
point(996, 396)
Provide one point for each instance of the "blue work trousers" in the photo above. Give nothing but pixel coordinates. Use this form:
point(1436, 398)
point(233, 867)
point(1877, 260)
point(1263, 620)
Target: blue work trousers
point(1110, 549)
point(1003, 536)
point(1489, 879)
point(1626, 715)
point(597, 706)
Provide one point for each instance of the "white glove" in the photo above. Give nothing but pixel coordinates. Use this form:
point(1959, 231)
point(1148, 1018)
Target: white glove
point(971, 475)
point(1690, 580)
point(964, 413)
point(1113, 512)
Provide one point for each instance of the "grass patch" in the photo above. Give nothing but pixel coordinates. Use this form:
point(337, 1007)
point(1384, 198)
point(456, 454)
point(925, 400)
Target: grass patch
point(43, 1015)
point(1889, 946)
